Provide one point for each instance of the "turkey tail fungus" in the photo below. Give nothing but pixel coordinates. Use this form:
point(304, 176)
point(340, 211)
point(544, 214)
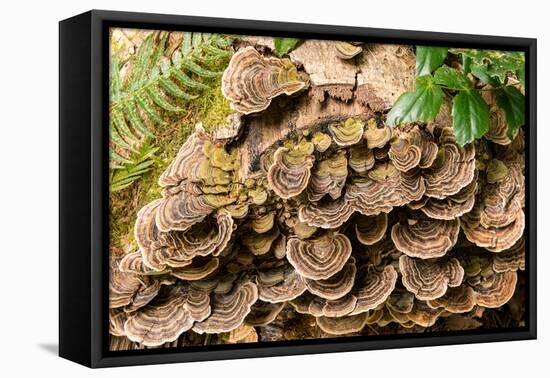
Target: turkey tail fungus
point(303, 209)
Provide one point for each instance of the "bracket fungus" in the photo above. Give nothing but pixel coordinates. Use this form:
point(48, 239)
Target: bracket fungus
point(425, 238)
point(229, 310)
point(319, 258)
point(429, 279)
point(252, 80)
point(347, 133)
point(370, 230)
point(314, 218)
point(289, 174)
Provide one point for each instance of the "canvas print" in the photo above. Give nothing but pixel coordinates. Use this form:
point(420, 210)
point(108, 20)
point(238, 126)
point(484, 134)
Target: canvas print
point(280, 189)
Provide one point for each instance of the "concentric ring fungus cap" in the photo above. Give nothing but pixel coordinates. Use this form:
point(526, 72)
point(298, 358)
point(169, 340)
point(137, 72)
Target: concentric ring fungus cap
point(347, 133)
point(260, 244)
point(425, 238)
point(229, 310)
point(456, 300)
point(346, 50)
point(321, 141)
point(511, 259)
point(329, 177)
point(496, 290)
point(122, 286)
point(289, 174)
point(336, 286)
point(263, 313)
point(343, 325)
point(383, 189)
point(251, 80)
point(453, 168)
point(373, 287)
point(453, 206)
point(429, 279)
point(376, 136)
point(289, 286)
point(494, 239)
point(165, 318)
point(370, 230)
point(326, 214)
point(319, 258)
point(423, 315)
point(361, 158)
point(177, 249)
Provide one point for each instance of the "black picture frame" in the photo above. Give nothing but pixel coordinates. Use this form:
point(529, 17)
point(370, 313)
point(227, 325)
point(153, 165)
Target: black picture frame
point(83, 181)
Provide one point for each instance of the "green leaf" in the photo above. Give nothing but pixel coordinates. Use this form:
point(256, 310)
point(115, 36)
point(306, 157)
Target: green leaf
point(470, 117)
point(452, 79)
point(512, 102)
point(466, 64)
point(429, 58)
point(285, 45)
point(480, 71)
point(421, 105)
point(497, 64)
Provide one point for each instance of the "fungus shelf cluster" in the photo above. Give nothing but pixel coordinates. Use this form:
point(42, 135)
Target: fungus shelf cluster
point(315, 219)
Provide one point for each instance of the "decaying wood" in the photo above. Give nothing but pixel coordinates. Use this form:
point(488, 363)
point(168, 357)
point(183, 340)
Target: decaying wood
point(327, 72)
point(385, 72)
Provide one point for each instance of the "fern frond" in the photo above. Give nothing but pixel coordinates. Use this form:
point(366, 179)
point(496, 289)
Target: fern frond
point(157, 85)
point(141, 162)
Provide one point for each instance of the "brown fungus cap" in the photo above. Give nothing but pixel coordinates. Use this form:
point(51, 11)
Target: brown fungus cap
point(404, 154)
point(197, 270)
point(251, 80)
point(400, 301)
point(122, 286)
point(319, 258)
point(149, 290)
point(383, 189)
point(343, 325)
point(328, 177)
point(347, 133)
point(161, 321)
point(501, 201)
point(263, 223)
point(496, 290)
point(229, 310)
point(188, 159)
point(181, 211)
point(346, 50)
point(326, 214)
point(423, 315)
point(376, 136)
point(336, 286)
point(498, 126)
point(494, 239)
point(290, 286)
point(452, 206)
point(425, 238)
point(361, 158)
point(429, 279)
point(511, 259)
point(456, 300)
point(452, 170)
point(177, 249)
point(370, 230)
point(263, 313)
point(133, 263)
point(260, 244)
point(373, 287)
point(321, 141)
point(289, 174)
